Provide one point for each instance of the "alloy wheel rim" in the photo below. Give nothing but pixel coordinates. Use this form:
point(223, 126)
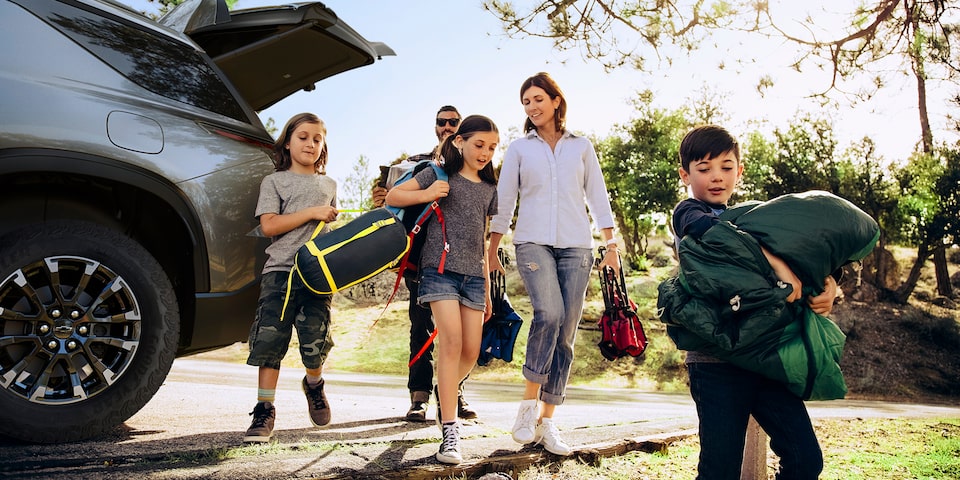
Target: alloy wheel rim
point(69, 328)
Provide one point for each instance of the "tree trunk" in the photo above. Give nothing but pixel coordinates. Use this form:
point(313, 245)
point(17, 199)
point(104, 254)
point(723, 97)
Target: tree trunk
point(903, 293)
point(926, 136)
point(881, 265)
point(944, 288)
point(919, 72)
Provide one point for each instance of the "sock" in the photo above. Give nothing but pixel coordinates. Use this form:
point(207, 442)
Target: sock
point(313, 380)
point(266, 395)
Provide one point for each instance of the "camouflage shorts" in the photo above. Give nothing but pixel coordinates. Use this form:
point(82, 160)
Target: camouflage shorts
point(308, 312)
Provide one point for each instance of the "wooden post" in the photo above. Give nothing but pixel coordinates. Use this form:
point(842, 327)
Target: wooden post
point(754, 465)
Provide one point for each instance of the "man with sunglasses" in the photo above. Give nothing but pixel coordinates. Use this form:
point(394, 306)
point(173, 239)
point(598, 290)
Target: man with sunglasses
point(420, 378)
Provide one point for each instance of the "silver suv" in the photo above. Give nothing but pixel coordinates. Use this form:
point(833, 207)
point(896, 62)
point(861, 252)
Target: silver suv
point(131, 155)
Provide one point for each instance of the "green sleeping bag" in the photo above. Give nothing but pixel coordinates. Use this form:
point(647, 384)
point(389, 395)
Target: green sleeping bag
point(726, 301)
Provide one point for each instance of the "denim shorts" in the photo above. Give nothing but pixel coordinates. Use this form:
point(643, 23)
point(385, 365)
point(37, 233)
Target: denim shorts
point(466, 289)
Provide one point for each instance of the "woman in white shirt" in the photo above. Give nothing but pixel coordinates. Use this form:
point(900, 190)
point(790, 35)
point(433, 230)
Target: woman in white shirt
point(556, 176)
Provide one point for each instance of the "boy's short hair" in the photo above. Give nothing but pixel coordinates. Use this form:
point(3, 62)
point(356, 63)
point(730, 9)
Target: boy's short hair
point(707, 141)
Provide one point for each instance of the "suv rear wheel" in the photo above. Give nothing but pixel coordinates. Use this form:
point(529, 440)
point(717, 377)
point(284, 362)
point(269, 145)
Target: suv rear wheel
point(88, 330)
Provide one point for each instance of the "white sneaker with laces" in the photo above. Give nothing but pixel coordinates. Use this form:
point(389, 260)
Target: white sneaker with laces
point(450, 444)
point(524, 429)
point(548, 436)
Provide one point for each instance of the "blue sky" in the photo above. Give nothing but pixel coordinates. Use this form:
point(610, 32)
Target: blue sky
point(454, 52)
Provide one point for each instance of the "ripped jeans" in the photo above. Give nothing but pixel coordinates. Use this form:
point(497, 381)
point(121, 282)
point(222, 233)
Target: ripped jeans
point(556, 281)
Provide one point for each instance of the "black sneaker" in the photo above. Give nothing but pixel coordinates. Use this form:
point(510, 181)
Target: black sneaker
point(317, 404)
point(261, 428)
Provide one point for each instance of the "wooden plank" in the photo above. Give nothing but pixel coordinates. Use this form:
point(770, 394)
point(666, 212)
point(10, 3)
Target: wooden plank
point(515, 463)
point(754, 465)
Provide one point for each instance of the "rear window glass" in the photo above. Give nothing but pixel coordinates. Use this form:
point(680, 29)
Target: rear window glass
point(159, 64)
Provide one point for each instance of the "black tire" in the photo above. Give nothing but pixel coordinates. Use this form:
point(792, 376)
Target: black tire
point(76, 364)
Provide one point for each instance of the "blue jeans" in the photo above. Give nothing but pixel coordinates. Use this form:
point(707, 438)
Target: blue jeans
point(556, 281)
point(726, 396)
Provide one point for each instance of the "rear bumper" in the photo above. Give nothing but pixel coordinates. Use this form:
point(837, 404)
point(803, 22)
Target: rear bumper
point(222, 319)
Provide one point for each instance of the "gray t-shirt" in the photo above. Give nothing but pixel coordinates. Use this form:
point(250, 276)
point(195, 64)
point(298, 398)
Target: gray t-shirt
point(465, 211)
point(288, 192)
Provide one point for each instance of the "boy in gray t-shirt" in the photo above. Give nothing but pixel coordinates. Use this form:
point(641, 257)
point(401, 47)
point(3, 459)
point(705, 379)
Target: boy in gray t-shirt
point(293, 202)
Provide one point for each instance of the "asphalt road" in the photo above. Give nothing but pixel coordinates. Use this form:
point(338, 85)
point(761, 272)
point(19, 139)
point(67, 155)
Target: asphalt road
point(193, 428)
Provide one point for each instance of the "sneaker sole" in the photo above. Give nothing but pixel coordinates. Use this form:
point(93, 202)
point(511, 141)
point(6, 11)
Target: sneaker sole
point(317, 425)
point(257, 439)
point(448, 460)
point(567, 453)
point(522, 440)
point(561, 453)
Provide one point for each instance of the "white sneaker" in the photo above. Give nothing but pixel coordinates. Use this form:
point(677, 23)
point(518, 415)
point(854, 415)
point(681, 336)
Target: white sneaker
point(548, 436)
point(450, 444)
point(524, 429)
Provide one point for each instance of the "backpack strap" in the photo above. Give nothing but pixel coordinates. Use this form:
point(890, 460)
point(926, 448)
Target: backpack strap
point(423, 348)
point(435, 207)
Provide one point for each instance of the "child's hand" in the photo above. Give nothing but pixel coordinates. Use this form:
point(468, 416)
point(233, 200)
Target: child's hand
point(823, 303)
point(789, 277)
point(785, 274)
point(438, 189)
point(324, 213)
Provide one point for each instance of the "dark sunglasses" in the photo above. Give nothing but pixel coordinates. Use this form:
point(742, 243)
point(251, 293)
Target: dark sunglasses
point(453, 122)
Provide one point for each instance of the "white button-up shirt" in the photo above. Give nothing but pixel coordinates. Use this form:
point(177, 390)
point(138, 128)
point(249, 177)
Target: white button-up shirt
point(555, 188)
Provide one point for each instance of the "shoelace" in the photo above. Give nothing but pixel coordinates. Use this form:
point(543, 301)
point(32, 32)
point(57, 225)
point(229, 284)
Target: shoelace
point(260, 417)
point(551, 432)
point(316, 397)
point(451, 438)
point(529, 417)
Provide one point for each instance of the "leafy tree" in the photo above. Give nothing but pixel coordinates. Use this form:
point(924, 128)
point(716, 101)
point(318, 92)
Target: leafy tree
point(606, 30)
point(759, 158)
point(798, 159)
point(805, 153)
point(865, 181)
point(640, 169)
point(930, 198)
point(354, 192)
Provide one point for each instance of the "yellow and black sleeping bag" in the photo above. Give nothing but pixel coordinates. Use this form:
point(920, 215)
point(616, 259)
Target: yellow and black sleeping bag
point(352, 253)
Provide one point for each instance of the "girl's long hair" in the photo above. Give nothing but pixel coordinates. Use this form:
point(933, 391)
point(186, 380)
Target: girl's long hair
point(549, 85)
point(450, 154)
point(281, 154)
